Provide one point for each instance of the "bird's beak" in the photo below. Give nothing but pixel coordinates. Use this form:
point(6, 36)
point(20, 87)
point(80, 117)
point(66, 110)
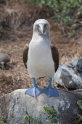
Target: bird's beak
point(42, 29)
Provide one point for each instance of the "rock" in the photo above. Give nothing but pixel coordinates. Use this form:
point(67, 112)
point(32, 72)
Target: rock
point(68, 76)
point(4, 59)
point(15, 105)
point(77, 64)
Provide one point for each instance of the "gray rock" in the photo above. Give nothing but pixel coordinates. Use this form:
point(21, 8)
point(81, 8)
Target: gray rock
point(77, 64)
point(4, 59)
point(68, 76)
point(15, 105)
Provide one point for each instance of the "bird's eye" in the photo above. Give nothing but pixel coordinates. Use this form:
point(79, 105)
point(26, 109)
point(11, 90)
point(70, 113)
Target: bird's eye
point(45, 26)
point(38, 26)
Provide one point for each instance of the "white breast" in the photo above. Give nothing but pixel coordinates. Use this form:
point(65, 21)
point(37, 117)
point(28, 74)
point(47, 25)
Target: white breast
point(40, 62)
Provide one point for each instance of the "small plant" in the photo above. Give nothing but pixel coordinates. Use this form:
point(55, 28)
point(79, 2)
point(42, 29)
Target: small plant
point(30, 119)
point(73, 32)
point(79, 117)
point(1, 120)
point(52, 118)
point(79, 103)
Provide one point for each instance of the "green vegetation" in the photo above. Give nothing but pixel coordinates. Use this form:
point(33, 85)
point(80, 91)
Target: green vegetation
point(79, 103)
point(63, 9)
point(30, 119)
point(66, 12)
point(52, 117)
point(79, 117)
point(1, 120)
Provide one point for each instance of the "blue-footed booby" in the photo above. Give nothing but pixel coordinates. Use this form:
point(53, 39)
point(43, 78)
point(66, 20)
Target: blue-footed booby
point(41, 58)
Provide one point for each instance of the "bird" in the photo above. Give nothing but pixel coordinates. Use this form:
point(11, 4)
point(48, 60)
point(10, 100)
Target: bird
point(41, 59)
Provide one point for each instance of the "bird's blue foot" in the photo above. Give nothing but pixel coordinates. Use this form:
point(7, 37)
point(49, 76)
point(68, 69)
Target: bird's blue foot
point(34, 91)
point(50, 91)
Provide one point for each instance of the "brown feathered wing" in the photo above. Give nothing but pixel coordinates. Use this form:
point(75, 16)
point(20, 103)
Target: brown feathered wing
point(25, 54)
point(55, 56)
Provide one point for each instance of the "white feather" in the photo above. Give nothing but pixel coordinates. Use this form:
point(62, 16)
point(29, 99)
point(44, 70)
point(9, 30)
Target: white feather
point(40, 62)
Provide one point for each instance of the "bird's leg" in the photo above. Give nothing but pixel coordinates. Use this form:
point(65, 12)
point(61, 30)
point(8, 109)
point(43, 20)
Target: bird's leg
point(50, 91)
point(34, 91)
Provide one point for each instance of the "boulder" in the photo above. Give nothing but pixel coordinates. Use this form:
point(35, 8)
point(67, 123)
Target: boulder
point(77, 64)
point(15, 105)
point(4, 59)
point(67, 75)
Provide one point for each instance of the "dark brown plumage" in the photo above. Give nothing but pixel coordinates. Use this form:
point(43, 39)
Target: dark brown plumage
point(55, 56)
point(25, 54)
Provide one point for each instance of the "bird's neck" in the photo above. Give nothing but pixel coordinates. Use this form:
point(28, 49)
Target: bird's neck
point(41, 38)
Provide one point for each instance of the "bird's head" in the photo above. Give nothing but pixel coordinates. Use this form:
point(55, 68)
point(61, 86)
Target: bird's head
point(41, 27)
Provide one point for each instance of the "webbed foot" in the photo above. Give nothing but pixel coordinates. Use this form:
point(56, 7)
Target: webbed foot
point(34, 91)
point(50, 91)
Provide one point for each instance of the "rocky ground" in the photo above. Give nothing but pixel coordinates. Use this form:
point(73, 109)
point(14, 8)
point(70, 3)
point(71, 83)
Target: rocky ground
point(18, 19)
